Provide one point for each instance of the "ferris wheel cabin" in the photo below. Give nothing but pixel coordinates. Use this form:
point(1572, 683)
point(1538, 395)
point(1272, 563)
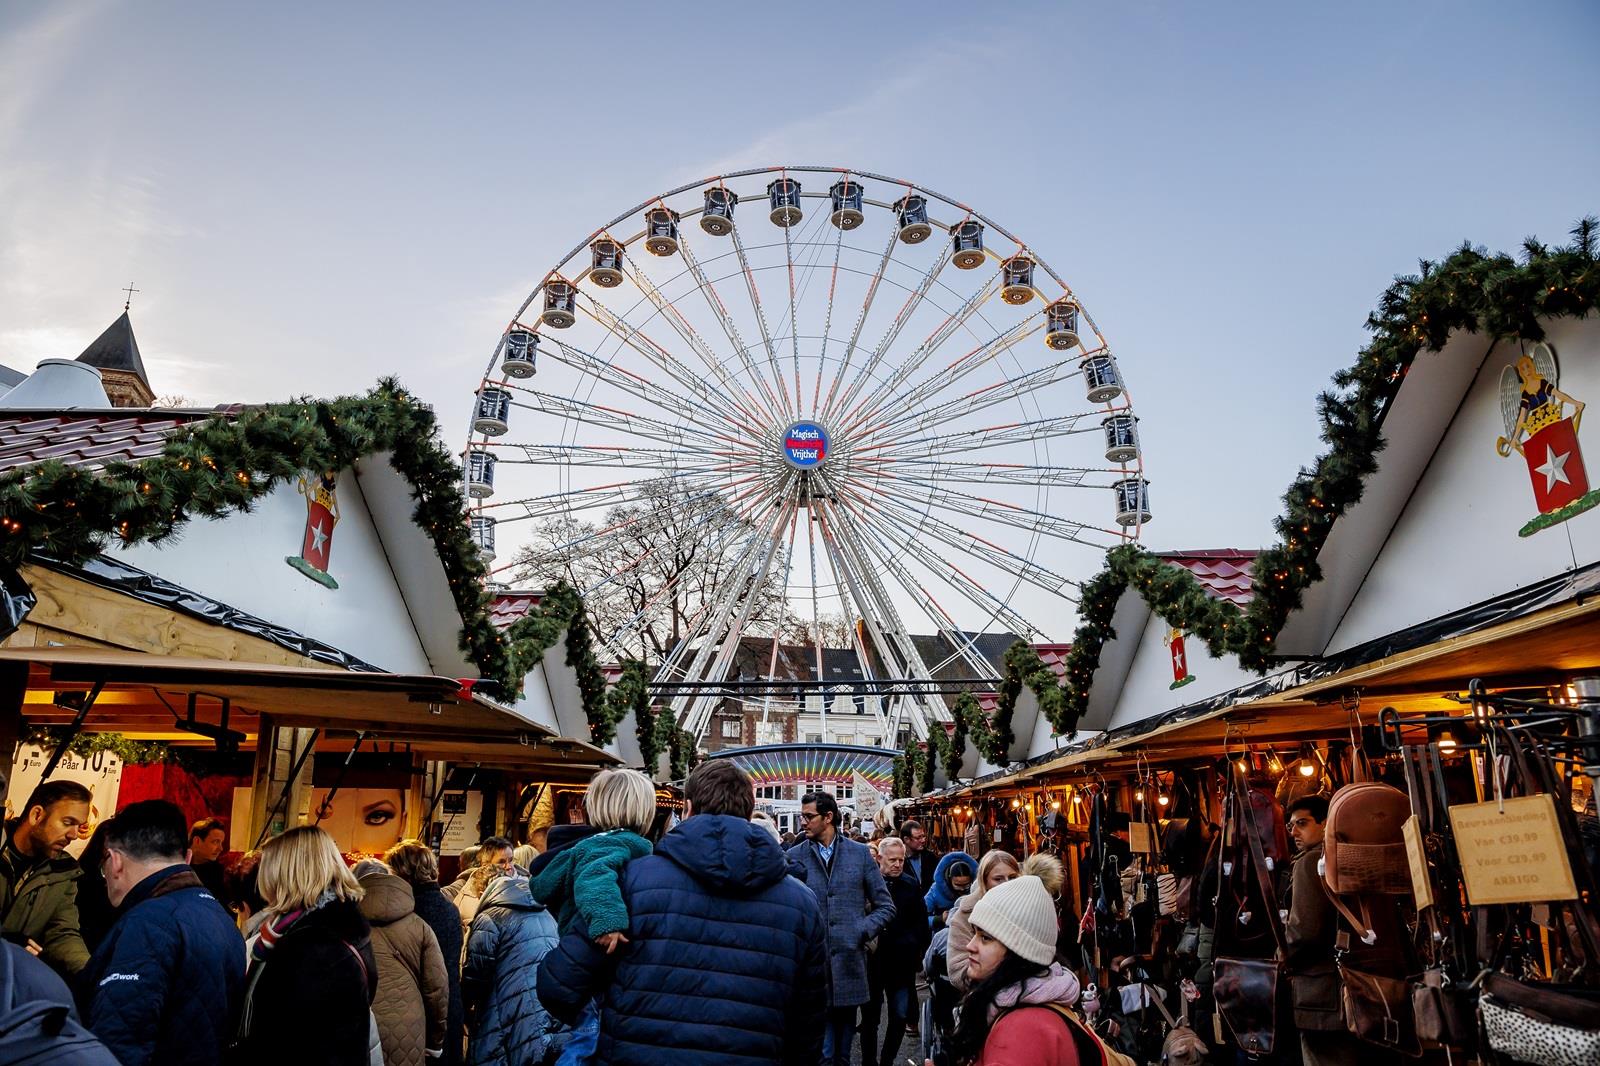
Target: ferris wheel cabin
point(560, 304)
point(1016, 277)
point(1133, 501)
point(1061, 325)
point(1101, 382)
point(784, 195)
point(605, 263)
point(661, 231)
point(912, 211)
point(520, 356)
point(967, 237)
point(717, 218)
point(480, 473)
point(494, 412)
point(482, 527)
point(1122, 438)
point(846, 196)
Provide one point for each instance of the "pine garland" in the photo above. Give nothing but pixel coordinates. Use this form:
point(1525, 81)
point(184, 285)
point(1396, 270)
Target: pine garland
point(1471, 290)
point(902, 777)
point(222, 466)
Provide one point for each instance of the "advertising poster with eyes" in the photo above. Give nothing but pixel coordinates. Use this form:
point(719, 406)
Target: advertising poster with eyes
point(365, 820)
point(100, 773)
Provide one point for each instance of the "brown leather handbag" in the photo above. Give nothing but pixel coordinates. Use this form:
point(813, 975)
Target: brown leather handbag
point(1246, 990)
point(1377, 1009)
point(1445, 1013)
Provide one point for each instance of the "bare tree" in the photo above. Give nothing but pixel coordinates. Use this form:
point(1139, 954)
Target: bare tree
point(667, 558)
point(835, 631)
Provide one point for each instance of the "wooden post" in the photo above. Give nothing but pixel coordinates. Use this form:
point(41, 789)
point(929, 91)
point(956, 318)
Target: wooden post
point(277, 750)
point(13, 687)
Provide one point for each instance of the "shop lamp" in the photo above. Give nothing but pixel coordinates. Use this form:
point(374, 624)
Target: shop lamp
point(1138, 796)
point(1015, 803)
point(1274, 764)
point(1447, 740)
point(1055, 805)
point(1308, 761)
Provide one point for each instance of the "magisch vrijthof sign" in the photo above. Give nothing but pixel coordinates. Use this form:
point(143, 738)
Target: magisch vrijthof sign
point(1512, 851)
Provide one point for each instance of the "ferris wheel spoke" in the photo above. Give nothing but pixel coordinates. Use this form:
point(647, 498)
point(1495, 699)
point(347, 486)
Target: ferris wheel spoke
point(615, 494)
point(969, 588)
point(913, 363)
point(730, 329)
point(761, 317)
point(992, 473)
point(748, 404)
point(617, 420)
point(922, 524)
point(861, 320)
point(1003, 391)
point(624, 458)
point(963, 646)
point(901, 318)
point(1009, 434)
point(890, 404)
point(654, 353)
point(942, 496)
point(713, 420)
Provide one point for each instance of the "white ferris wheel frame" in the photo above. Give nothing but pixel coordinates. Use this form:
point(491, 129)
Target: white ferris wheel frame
point(867, 536)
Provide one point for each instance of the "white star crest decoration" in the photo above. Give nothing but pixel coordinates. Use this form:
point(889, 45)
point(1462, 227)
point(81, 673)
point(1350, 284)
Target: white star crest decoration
point(319, 538)
point(1554, 469)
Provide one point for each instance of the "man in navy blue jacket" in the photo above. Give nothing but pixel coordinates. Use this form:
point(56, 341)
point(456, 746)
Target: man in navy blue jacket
point(163, 986)
point(725, 959)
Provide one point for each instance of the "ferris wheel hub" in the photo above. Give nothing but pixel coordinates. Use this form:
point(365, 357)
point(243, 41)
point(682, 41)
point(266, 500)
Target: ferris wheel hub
point(806, 445)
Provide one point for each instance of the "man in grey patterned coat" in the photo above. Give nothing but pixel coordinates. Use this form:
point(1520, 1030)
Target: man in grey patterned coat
point(855, 906)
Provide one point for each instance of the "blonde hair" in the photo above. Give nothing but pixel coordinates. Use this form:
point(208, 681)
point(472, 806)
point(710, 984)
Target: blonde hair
point(413, 861)
point(991, 858)
point(478, 880)
point(523, 854)
point(299, 867)
point(621, 799)
point(1047, 868)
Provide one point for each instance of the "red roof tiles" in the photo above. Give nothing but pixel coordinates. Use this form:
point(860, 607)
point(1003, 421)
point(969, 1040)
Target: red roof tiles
point(85, 439)
point(506, 607)
point(1225, 573)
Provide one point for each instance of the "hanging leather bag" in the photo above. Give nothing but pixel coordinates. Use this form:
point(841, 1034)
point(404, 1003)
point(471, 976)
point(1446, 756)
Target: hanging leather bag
point(1377, 1009)
point(1363, 848)
point(1542, 1024)
point(1246, 990)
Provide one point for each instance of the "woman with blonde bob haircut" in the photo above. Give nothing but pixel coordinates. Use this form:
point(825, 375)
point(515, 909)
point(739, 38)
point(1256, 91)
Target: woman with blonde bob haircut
point(994, 869)
point(621, 799)
point(312, 973)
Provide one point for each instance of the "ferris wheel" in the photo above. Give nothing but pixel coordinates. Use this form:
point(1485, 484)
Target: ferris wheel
point(852, 397)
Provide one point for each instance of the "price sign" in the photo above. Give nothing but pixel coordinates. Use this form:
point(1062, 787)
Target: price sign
point(1417, 860)
point(1512, 851)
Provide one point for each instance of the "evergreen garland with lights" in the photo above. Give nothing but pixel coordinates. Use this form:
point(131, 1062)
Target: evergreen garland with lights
point(1471, 290)
point(221, 466)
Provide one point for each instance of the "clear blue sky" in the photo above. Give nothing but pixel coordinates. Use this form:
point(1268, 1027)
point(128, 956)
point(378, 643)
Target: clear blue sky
point(311, 196)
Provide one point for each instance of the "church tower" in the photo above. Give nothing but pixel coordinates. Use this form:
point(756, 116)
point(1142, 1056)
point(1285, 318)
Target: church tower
point(115, 354)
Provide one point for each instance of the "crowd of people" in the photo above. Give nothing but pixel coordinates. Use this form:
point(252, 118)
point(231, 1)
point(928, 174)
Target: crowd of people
point(714, 944)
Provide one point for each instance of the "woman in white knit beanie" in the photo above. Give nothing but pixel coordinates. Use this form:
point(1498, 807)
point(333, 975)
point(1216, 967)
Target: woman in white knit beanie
point(1009, 1013)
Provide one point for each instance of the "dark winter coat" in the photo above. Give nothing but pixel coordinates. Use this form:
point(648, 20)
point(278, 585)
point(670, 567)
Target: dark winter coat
point(511, 934)
point(413, 996)
point(726, 960)
point(930, 861)
point(855, 905)
point(1309, 932)
point(445, 921)
point(163, 986)
point(310, 998)
point(39, 901)
point(904, 940)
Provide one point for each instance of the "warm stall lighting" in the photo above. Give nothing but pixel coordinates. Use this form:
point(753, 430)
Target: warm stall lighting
point(1015, 804)
point(1163, 799)
point(1447, 741)
point(1055, 805)
point(1138, 797)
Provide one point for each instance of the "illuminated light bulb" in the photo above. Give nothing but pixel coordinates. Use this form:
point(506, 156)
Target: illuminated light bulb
point(1163, 799)
point(1138, 797)
point(1307, 770)
point(1055, 805)
point(1015, 804)
point(1447, 741)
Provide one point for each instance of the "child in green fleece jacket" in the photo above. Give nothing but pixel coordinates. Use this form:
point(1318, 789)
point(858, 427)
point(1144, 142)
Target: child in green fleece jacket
point(584, 880)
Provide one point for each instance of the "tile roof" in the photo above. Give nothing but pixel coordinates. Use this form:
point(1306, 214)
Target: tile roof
point(87, 439)
point(506, 607)
point(1225, 573)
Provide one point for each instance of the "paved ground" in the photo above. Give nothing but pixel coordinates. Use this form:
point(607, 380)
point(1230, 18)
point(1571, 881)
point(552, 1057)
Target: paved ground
point(910, 1051)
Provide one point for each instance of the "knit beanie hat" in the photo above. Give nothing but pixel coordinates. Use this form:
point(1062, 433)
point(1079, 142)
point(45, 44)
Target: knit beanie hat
point(1022, 916)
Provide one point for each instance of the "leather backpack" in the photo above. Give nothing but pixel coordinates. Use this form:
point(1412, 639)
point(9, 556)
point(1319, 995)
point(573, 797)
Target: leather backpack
point(1363, 847)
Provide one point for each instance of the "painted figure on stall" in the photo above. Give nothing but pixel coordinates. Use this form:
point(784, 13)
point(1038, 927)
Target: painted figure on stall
point(322, 513)
point(1539, 429)
point(1180, 658)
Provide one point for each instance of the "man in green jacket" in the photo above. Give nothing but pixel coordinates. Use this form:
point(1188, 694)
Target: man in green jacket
point(39, 880)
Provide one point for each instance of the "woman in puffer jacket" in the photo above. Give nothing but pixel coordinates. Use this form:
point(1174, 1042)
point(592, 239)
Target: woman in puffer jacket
point(506, 1024)
point(413, 993)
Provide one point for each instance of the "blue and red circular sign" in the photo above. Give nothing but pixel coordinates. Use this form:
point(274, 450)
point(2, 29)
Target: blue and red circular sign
point(805, 445)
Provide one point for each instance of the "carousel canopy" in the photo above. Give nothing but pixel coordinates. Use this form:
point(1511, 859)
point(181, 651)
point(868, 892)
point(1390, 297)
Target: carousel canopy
point(775, 764)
